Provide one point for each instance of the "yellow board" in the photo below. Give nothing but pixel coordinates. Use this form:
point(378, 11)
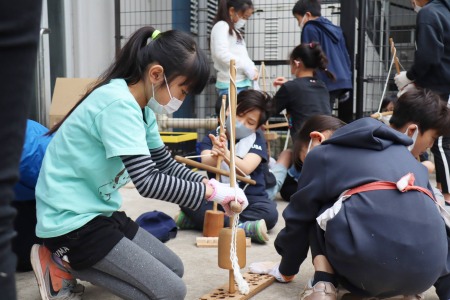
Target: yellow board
point(177, 137)
point(256, 282)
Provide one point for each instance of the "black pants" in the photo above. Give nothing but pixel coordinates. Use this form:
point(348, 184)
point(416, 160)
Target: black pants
point(25, 226)
point(318, 247)
point(19, 35)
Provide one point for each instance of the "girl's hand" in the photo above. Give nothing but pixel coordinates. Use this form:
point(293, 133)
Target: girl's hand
point(256, 75)
point(279, 81)
point(219, 145)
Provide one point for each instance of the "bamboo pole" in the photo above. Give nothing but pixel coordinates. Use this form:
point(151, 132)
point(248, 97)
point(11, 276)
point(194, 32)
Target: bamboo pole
point(211, 169)
point(394, 53)
point(221, 131)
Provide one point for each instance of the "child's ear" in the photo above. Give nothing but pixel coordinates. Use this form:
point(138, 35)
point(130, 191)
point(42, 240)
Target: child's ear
point(156, 74)
point(411, 129)
point(318, 136)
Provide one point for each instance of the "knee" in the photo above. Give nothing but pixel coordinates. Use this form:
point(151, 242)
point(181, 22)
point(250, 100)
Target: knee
point(178, 290)
point(271, 219)
point(178, 267)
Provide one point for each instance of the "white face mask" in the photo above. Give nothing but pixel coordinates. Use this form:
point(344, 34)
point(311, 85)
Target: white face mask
point(302, 24)
point(241, 130)
point(309, 146)
point(240, 23)
point(417, 8)
point(171, 107)
point(414, 138)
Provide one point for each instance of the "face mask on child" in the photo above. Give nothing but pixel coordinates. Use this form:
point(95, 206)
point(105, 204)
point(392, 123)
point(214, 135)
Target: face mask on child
point(302, 24)
point(417, 8)
point(240, 23)
point(241, 130)
point(309, 146)
point(414, 138)
point(171, 107)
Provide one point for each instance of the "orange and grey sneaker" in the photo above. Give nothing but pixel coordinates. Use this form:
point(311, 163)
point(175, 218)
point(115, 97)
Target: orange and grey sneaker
point(54, 281)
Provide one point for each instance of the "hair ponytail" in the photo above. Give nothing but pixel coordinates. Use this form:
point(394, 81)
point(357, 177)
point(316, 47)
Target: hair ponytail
point(312, 56)
point(174, 50)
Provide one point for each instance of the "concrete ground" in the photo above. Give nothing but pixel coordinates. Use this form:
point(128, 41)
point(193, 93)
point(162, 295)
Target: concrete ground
point(202, 274)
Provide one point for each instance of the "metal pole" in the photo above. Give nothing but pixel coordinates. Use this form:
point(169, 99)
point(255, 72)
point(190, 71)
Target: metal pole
point(118, 36)
point(41, 108)
point(361, 58)
point(348, 25)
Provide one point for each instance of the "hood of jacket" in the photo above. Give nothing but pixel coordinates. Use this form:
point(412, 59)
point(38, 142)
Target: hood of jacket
point(334, 32)
point(368, 133)
point(446, 3)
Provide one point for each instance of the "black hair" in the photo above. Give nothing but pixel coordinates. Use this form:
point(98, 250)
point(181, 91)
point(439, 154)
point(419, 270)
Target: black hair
point(312, 56)
point(304, 6)
point(423, 108)
point(388, 99)
point(249, 100)
point(174, 50)
point(222, 13)
point(315, 123)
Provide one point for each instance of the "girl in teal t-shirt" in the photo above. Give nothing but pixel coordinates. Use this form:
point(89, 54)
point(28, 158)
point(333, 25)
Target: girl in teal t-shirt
point(109, 138)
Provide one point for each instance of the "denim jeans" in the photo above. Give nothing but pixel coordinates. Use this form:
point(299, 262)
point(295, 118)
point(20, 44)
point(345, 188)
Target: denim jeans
point(19, 36)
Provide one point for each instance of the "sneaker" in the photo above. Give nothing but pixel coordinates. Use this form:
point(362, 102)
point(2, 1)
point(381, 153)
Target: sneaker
point(256, 230)
point(183, 221)
point(320, 291)
point(54, 281)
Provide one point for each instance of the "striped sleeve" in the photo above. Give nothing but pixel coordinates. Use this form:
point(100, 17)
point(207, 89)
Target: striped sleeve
point(167, 165)
point(151, 183)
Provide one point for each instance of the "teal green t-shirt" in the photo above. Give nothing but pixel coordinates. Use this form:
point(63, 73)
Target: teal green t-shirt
point(82, 170)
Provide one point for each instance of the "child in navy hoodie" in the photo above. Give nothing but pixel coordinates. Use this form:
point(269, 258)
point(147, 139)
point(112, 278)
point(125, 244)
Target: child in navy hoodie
point(384, 241)
point(316, 28)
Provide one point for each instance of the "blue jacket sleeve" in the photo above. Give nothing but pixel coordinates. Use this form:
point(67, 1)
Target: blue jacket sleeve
point(430, 47)
point(292, 243)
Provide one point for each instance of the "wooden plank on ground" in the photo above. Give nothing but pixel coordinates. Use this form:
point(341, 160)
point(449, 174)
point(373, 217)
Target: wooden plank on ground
point(256, 282)
point(213, 242)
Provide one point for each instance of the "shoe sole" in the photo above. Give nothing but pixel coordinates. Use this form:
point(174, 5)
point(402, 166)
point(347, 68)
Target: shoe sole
point(263, 230)
point(38, 272)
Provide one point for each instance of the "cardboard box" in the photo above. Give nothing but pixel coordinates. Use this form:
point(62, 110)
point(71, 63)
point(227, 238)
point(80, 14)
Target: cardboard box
point(66, 94)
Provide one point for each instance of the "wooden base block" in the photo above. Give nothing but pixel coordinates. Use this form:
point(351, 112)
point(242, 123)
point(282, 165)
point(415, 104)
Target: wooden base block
point(213, 242)
point(256, 282)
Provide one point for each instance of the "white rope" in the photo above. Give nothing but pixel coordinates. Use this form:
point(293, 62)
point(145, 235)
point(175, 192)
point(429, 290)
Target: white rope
point(241, 283)
point(387, 81)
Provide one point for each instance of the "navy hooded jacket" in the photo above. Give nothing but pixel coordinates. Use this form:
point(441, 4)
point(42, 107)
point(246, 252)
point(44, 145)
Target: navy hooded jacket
point(383, 243)
point(431, 68)
point(332, 41)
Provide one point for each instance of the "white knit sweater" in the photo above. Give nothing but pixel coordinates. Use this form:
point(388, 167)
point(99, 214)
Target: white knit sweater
point(225, 47)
